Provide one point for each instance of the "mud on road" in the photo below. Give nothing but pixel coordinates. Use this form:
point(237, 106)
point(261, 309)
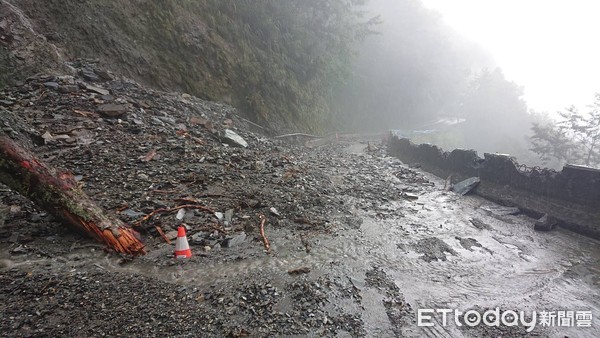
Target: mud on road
point(359, 241)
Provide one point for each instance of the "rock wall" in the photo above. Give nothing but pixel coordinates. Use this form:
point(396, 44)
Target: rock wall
point(572, 196)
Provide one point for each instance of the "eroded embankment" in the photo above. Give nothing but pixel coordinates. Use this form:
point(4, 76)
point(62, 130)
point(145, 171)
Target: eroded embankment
point(571, 196)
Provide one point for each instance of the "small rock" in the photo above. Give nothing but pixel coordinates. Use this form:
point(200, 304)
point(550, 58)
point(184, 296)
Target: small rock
point(14, 238)
point(171, 234)
point(132, 213)
point(228, 216)
point(298, 271)
point(103, 74)
point(498, 210)
point(479, 224)
point(180, 214)
point(274, 211)
point(68, 89)
point(464, 187)
point(259, 165)
point(47, 137)
point(20, 250)
point(233, 139)
point(66, 79)
point(233, 241)
point(51, 85)
point(112, 110)
point(89, 75)
point(228, 123)
point(251, 204)
point(410, 196)
point(545, 223)
point(95, 89)
point(6, 103)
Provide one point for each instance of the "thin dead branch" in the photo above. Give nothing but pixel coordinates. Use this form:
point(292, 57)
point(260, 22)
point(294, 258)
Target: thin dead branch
point(166, 210)
point(263, 219)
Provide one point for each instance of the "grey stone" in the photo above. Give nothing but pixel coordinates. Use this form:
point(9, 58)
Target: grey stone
point(410, 196)
point(233, 240)
point(479, 224)
point(132, 213)
point(232, 138)
point(89, 75)
point(66, 79)
point(20, 250)
point(228, 215)
point(68, 89)
point(499, 210)
point(180, 214)
point(113, 110)
point(97, 90)
point(51, 85)
point(274, 211)
point(6, 103)
point(167, 120)
point(545, 223)
point(103, 74)
point(259, 165)
point(171, 234)
point(464, 187)
point(14, 238)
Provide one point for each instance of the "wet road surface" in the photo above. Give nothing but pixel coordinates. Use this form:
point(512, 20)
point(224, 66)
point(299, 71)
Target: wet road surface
point(427, 249)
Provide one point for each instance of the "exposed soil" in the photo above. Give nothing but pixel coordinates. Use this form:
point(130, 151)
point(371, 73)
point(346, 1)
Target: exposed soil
point(359, 241)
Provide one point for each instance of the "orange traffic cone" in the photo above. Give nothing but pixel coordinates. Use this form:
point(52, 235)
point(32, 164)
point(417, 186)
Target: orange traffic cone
point(182, 248)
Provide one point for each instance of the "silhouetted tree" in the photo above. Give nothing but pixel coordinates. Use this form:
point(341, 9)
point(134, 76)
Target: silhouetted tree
point(575, 138)
point(496, 115)
point(410, 73)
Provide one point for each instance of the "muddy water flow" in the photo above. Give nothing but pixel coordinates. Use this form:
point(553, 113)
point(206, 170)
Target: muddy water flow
point(427, 248)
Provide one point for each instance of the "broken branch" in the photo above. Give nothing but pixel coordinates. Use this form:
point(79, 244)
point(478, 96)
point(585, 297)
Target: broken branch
point(263, 219)
point(59, 194)
point(162, 234)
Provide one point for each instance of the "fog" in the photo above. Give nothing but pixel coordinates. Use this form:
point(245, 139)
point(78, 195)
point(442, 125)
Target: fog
point(472, 74)
point(546, 46)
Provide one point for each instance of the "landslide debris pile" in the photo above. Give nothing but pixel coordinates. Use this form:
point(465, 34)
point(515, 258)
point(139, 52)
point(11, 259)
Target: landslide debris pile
point(135, 150)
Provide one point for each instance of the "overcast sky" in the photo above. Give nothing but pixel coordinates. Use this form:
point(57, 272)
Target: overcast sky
point(550, 47)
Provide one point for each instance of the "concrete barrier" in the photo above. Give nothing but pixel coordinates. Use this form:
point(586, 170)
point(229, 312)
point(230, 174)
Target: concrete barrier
point(572, 196)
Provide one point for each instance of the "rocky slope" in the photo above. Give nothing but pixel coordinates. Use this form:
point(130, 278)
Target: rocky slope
point(135, 150)
point(275, 61)
point(358, 240)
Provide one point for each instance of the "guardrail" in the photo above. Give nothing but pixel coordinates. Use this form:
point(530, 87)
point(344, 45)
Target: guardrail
point(571, 195)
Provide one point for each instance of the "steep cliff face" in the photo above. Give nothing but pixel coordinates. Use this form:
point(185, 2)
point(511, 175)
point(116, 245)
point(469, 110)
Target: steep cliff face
point(23, 50)
point(272, 60)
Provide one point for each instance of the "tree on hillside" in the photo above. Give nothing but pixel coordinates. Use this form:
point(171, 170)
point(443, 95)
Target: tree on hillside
point(575, 138)
point(410, 73)
point(290, 54)
point(496, 115)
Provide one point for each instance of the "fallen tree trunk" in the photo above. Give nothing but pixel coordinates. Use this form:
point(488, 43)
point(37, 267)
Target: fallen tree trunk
point(58, 193)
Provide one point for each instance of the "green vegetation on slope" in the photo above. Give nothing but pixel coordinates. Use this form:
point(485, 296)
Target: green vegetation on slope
point(277, 61)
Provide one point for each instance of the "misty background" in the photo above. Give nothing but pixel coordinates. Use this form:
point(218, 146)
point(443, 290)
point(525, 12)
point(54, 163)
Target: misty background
point(419, 76)
point(494, 76)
